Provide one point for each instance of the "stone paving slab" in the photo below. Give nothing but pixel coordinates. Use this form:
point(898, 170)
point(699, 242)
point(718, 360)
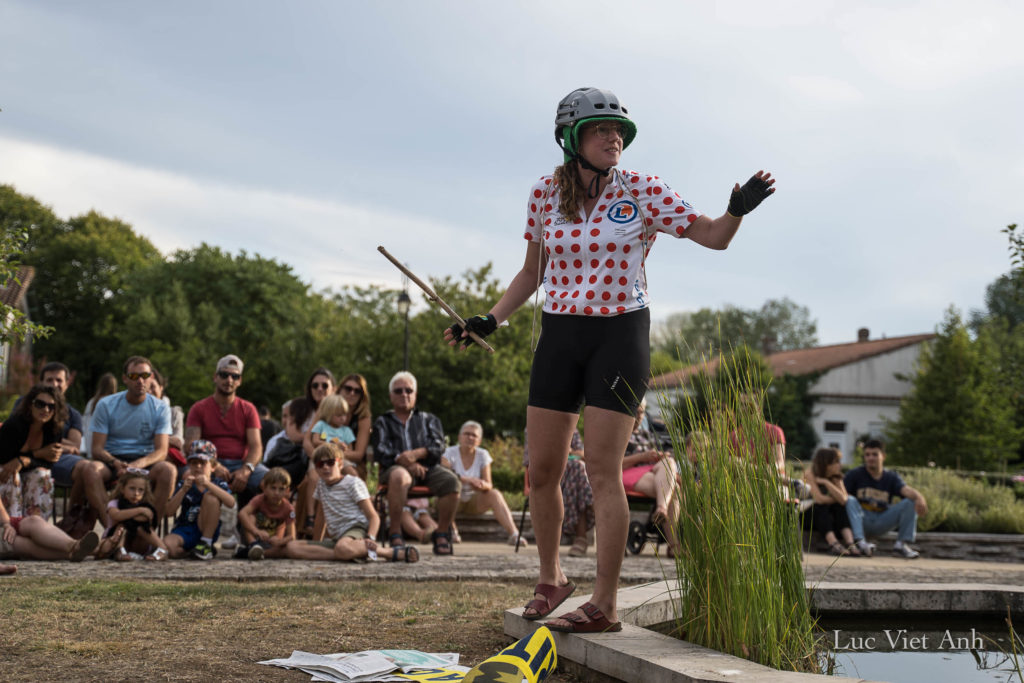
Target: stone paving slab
point(498, 562)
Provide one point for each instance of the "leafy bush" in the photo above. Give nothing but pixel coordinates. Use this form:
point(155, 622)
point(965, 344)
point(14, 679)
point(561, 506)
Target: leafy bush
point(960, 504)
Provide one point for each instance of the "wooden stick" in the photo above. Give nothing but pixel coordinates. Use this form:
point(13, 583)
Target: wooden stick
point(432, 295)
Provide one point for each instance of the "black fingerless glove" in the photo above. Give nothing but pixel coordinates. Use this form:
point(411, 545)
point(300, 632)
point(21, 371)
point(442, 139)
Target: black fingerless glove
point(746, 199)
point(480, 325)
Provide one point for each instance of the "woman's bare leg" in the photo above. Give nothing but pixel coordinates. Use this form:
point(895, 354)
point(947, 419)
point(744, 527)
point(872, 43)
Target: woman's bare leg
point(548, 433)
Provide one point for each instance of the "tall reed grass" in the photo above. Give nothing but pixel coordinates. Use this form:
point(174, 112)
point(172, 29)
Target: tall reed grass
point(740, 572)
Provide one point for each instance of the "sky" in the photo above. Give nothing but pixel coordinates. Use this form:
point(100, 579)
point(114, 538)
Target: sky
point(312, 132)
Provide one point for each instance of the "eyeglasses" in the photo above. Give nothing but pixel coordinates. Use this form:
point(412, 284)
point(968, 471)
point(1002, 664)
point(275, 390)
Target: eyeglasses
point(324, 463)
point(403, 390)
point(224, 374)
point(320, 385)
point(136, 376)
point(607, 131)
point(44, 405)
point(352, 390)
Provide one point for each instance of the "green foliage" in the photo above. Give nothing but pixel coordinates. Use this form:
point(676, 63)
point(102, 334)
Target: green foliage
point(959, 412)
point(967, 505)
point(740, 572)
point(780, 324)
point(15, 327)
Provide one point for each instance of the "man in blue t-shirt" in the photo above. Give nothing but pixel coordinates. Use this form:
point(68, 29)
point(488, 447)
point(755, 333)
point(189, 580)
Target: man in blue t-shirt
point(132, 429)
point(870, 507)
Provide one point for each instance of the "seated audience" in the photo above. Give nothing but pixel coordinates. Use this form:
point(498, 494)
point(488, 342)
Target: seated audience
point(34, 538)
point(133, 530)
point(408, 445)
point(176, 440)
point(284, 449)
point(472, 465)
point(268, 426)
point(417, 523)
point(106, 386)
point(828, 513)
point(132, 429)
point(200, 496)
point(268, 521)
point(653, 473)
point(870, 507)
point(30, 445)
point(332, 427)
point(353, 388)
point(346, 523)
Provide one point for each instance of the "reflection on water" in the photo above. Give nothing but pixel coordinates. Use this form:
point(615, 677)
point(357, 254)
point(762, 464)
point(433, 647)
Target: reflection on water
point(899, 650)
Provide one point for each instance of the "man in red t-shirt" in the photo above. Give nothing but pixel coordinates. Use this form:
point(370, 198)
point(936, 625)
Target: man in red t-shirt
point(232, 424)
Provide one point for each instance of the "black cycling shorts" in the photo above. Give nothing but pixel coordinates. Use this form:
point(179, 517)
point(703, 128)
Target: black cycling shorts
point(601, 362)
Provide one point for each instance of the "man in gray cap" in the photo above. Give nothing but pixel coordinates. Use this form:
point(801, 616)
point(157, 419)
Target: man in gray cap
point(232, 424)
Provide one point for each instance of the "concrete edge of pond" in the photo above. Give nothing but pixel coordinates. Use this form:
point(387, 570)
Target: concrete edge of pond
point(638, 654)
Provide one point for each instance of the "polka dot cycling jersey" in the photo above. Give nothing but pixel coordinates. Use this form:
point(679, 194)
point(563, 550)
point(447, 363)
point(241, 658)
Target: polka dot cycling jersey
point(594, 264)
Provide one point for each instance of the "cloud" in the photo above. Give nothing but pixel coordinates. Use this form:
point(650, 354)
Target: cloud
point(825, 89)
point(328, 243)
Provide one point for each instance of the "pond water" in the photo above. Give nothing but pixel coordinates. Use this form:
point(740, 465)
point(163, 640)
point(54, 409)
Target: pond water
point(908, 651)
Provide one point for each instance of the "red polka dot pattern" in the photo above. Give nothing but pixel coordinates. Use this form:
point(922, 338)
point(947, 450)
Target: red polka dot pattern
point(612, 229)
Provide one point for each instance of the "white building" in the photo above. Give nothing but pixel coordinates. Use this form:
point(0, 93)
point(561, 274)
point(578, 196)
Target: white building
point(860, 385)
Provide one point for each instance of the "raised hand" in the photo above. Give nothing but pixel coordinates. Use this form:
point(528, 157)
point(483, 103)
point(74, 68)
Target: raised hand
point(745, 199)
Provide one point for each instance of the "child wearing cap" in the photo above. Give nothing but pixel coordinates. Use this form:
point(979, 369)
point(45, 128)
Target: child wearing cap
point(344, 513)
point(200, 496)
point(268, 521)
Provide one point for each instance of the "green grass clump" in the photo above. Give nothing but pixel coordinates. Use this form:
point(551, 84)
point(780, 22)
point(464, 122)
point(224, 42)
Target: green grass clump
point(959, 504)
point(742, 582)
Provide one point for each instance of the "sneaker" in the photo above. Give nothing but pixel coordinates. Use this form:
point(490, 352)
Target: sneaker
point(866, 549)
point(203, 551)
point(256, 551)
point(905, 551)
point(241, 553)
point(229, 543)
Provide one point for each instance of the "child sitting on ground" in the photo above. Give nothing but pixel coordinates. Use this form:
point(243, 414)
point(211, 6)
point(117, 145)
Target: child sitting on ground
point(332, 427)
point(268, 521)
point(133, 522)
point(345, 514)
point(200, 496)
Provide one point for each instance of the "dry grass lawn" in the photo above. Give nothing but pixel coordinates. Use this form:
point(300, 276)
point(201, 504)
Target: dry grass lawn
point(54, 630)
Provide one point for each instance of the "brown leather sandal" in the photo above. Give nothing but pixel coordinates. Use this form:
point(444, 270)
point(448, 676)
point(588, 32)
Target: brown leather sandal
point(553, 597)
point(596, 622)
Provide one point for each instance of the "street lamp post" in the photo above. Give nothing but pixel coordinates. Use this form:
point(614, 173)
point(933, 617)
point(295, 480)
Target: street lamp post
point(403, 310)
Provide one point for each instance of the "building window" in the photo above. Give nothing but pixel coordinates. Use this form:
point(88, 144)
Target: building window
point(835, 426)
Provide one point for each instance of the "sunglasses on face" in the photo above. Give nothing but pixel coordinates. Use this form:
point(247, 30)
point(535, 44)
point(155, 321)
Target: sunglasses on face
point(223, 374)
point(44, 405)
point(352, 390)
point(403, 390)
point(136, 376)
point(325, 463)
point(320, 385)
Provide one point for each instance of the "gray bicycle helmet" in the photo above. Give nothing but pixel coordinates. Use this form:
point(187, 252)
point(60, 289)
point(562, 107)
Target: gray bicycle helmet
point(588, 104)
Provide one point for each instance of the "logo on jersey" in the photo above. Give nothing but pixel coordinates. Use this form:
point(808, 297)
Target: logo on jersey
point(622, 212)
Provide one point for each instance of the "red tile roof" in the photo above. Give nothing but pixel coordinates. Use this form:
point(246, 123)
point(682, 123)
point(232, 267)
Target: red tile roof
point(803, 361)
point(12, 292)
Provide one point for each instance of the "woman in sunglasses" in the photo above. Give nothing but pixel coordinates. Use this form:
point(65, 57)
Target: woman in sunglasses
point(354, 390)
point(588, 228)
point(30, 443)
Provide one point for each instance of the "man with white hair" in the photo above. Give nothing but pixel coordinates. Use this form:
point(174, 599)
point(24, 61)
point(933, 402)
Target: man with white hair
point(408, 445)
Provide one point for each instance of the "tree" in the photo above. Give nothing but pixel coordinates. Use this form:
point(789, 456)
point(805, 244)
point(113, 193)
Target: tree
point(81, 267)
point(15, 327)
point(780, 324)
point(959, 412)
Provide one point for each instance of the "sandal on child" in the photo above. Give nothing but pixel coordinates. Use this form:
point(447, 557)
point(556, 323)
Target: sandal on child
point(157, 555)
point(595, 622)
point(84, 547)
point(442, 543)
point(122, 555)
point(553, 597)
point(396, 540)
point(408, 553)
